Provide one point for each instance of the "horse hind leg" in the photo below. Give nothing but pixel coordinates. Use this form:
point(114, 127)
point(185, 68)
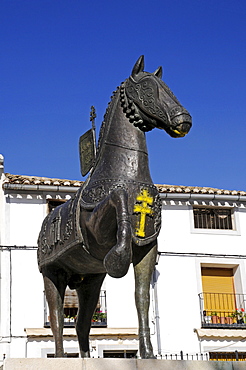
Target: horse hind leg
point(88, 296)
point(55, 286)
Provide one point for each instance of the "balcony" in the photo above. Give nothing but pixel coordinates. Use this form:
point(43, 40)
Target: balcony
point(71, 309)
point(222, 310)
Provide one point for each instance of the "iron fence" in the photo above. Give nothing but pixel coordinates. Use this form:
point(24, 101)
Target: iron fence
point(185, 356)
point(205, 356)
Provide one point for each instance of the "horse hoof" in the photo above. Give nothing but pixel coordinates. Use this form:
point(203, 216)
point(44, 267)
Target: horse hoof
point(85, 354)
point(118, 259)
point(145, 346)
point(117, 264)
point(149, 357)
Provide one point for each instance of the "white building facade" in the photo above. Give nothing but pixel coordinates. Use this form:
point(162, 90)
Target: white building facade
point(198, 290)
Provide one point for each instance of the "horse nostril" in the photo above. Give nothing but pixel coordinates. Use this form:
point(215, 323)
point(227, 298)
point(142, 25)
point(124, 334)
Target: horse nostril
point(184, 127)
point(181, 130)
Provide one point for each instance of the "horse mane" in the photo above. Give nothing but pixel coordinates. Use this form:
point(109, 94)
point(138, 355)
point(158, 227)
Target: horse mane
point(106, 119)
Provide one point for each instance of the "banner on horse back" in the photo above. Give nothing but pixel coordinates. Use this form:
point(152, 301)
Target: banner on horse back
point(87, 151)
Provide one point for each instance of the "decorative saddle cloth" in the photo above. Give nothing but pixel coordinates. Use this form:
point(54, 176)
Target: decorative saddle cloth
point(61, 228)
point(60, 231)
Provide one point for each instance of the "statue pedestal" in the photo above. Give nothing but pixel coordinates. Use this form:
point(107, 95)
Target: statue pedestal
point(119, 364)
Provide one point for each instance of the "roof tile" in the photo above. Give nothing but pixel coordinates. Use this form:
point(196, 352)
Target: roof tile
point(35, 180)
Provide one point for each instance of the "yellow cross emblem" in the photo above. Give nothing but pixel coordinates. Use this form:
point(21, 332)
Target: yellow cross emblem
point(142, 207)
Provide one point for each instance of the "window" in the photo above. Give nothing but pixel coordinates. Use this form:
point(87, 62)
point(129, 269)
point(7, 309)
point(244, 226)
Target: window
point(227, 356)
point(220, 305)
point(71, 309)
point(218, 291)
point(120, 354)
point(68, 354)
point(99, 317)
point(53, 203)
point(212, 218)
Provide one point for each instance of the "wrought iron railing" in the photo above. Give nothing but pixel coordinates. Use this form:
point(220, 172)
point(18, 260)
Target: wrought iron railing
point(184, 356)
point(70, 313)
point(222, 310)
point(205, 356)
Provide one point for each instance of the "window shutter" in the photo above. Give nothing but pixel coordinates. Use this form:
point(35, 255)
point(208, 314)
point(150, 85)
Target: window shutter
point(217, 280)
point(218, 289)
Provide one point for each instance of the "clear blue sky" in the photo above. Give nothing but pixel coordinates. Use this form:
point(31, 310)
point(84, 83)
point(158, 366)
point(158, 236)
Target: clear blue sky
point(60, 57)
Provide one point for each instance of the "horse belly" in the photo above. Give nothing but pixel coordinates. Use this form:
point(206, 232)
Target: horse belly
point(78, 261)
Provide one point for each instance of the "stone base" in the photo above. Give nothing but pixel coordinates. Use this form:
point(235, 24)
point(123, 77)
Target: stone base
point(119, 364)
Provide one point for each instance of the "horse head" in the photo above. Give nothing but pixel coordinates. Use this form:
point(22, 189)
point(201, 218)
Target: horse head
point(148, 102)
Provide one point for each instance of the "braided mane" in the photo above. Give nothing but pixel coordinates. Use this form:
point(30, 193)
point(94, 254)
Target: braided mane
point(106, 119)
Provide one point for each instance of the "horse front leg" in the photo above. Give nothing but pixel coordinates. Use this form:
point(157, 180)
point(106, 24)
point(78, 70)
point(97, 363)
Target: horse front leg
point(143, 271)
point(55, 286)
point(110, 225)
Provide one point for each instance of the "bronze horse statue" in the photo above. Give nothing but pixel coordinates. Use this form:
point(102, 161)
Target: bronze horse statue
point(115, 217)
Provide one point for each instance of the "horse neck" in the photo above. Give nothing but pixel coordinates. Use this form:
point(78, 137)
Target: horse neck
point(122, 153)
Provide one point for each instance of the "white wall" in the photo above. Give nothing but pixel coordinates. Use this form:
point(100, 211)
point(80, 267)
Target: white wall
point(178, 235)
point(120, 301)
point(178, 304)
point(25, 219)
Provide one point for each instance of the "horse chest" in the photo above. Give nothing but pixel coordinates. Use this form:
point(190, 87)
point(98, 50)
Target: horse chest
point(144, 205)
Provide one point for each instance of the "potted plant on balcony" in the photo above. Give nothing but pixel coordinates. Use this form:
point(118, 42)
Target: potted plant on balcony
point(66, 318)
point(103, 316)
point(222, 319)
point(214, 317)
point(95, 317)
point(239, 315)
point(99, 316)
point(229, 319)
point(207, 319)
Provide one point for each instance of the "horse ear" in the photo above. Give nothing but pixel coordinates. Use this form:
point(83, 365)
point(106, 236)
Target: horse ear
point(139, 66)
point(158, 72)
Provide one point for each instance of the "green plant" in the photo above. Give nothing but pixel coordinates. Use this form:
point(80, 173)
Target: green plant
point(238, 314)
point(214, 313)
point(99, 315)
point(103, 315)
